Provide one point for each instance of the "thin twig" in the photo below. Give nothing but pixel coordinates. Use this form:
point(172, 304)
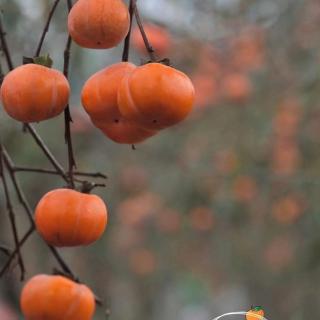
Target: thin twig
point(9, 164)
point(5, 250)
point(69, 4)
point(15, 251)
point(11, 214)
point(126, 48)
point(47, 152)
point(53, 172)
point(4, 46)
point(68, 118)
point(46, 28)
point(144, 36)
point(21, 197)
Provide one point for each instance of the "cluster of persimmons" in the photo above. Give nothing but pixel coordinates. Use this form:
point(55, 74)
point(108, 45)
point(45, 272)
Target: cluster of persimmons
point(127, 103)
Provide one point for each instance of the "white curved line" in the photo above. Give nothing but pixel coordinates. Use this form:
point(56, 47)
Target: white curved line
point(239, 313)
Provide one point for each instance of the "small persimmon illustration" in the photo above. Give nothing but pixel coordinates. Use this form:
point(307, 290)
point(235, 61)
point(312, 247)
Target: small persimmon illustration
point(255, 313)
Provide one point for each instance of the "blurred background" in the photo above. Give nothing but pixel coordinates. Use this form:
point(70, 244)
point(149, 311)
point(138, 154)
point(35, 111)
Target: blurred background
point(216, 214)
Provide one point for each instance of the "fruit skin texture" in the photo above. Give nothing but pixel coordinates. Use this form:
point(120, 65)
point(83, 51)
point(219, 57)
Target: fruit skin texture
point(255, 313)
point(33, 93)
point(155, 96)
point(99, 93)
point(98, 24)
point(125, 132)
point(66, 218)
point(99, 98)
point(56, 298)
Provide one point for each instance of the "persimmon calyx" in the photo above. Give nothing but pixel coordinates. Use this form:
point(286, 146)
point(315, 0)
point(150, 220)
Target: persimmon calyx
point(45, 60)
point(165, 61)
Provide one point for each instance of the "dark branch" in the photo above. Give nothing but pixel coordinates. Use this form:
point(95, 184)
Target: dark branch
point(68, 119)
point(46, 151)
point(15, 251)
point(53, 172)
point(22, 199)
point(4, 46)
point(144, 36)
point(46, 28)
point(126, 48)
point(11, 214)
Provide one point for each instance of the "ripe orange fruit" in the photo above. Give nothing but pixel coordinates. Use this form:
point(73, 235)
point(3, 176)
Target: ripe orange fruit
point(56, 298)
point(124, 131)
point(67, 217)
point(98, 24)
point(33, 93)
point(99, 98)
point(155, 96)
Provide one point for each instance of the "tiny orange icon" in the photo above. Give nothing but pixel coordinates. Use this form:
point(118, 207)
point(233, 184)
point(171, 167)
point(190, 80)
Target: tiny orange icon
point(255, 313)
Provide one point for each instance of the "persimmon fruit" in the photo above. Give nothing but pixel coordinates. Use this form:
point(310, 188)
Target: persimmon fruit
point(124, 131)
point(99, 93)
point(99, 98)
point(66, 217)
point(98, 24)
point(56, 298)
point(155, 96)
point(33, 93)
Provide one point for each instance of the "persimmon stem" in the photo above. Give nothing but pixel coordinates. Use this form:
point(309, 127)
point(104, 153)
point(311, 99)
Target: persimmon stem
point(126, 48)
point(147, 44)
point(68, 119)
point(11, 214)
point(46, 28)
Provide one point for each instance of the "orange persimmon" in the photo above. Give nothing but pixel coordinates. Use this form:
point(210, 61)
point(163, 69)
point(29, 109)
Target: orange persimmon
point(98, 24)
point(56, 298)
point(99, 98)
point(155, 96)
point(124, 131)
point(32, 93)
point(99, 93)
point(66, 217)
